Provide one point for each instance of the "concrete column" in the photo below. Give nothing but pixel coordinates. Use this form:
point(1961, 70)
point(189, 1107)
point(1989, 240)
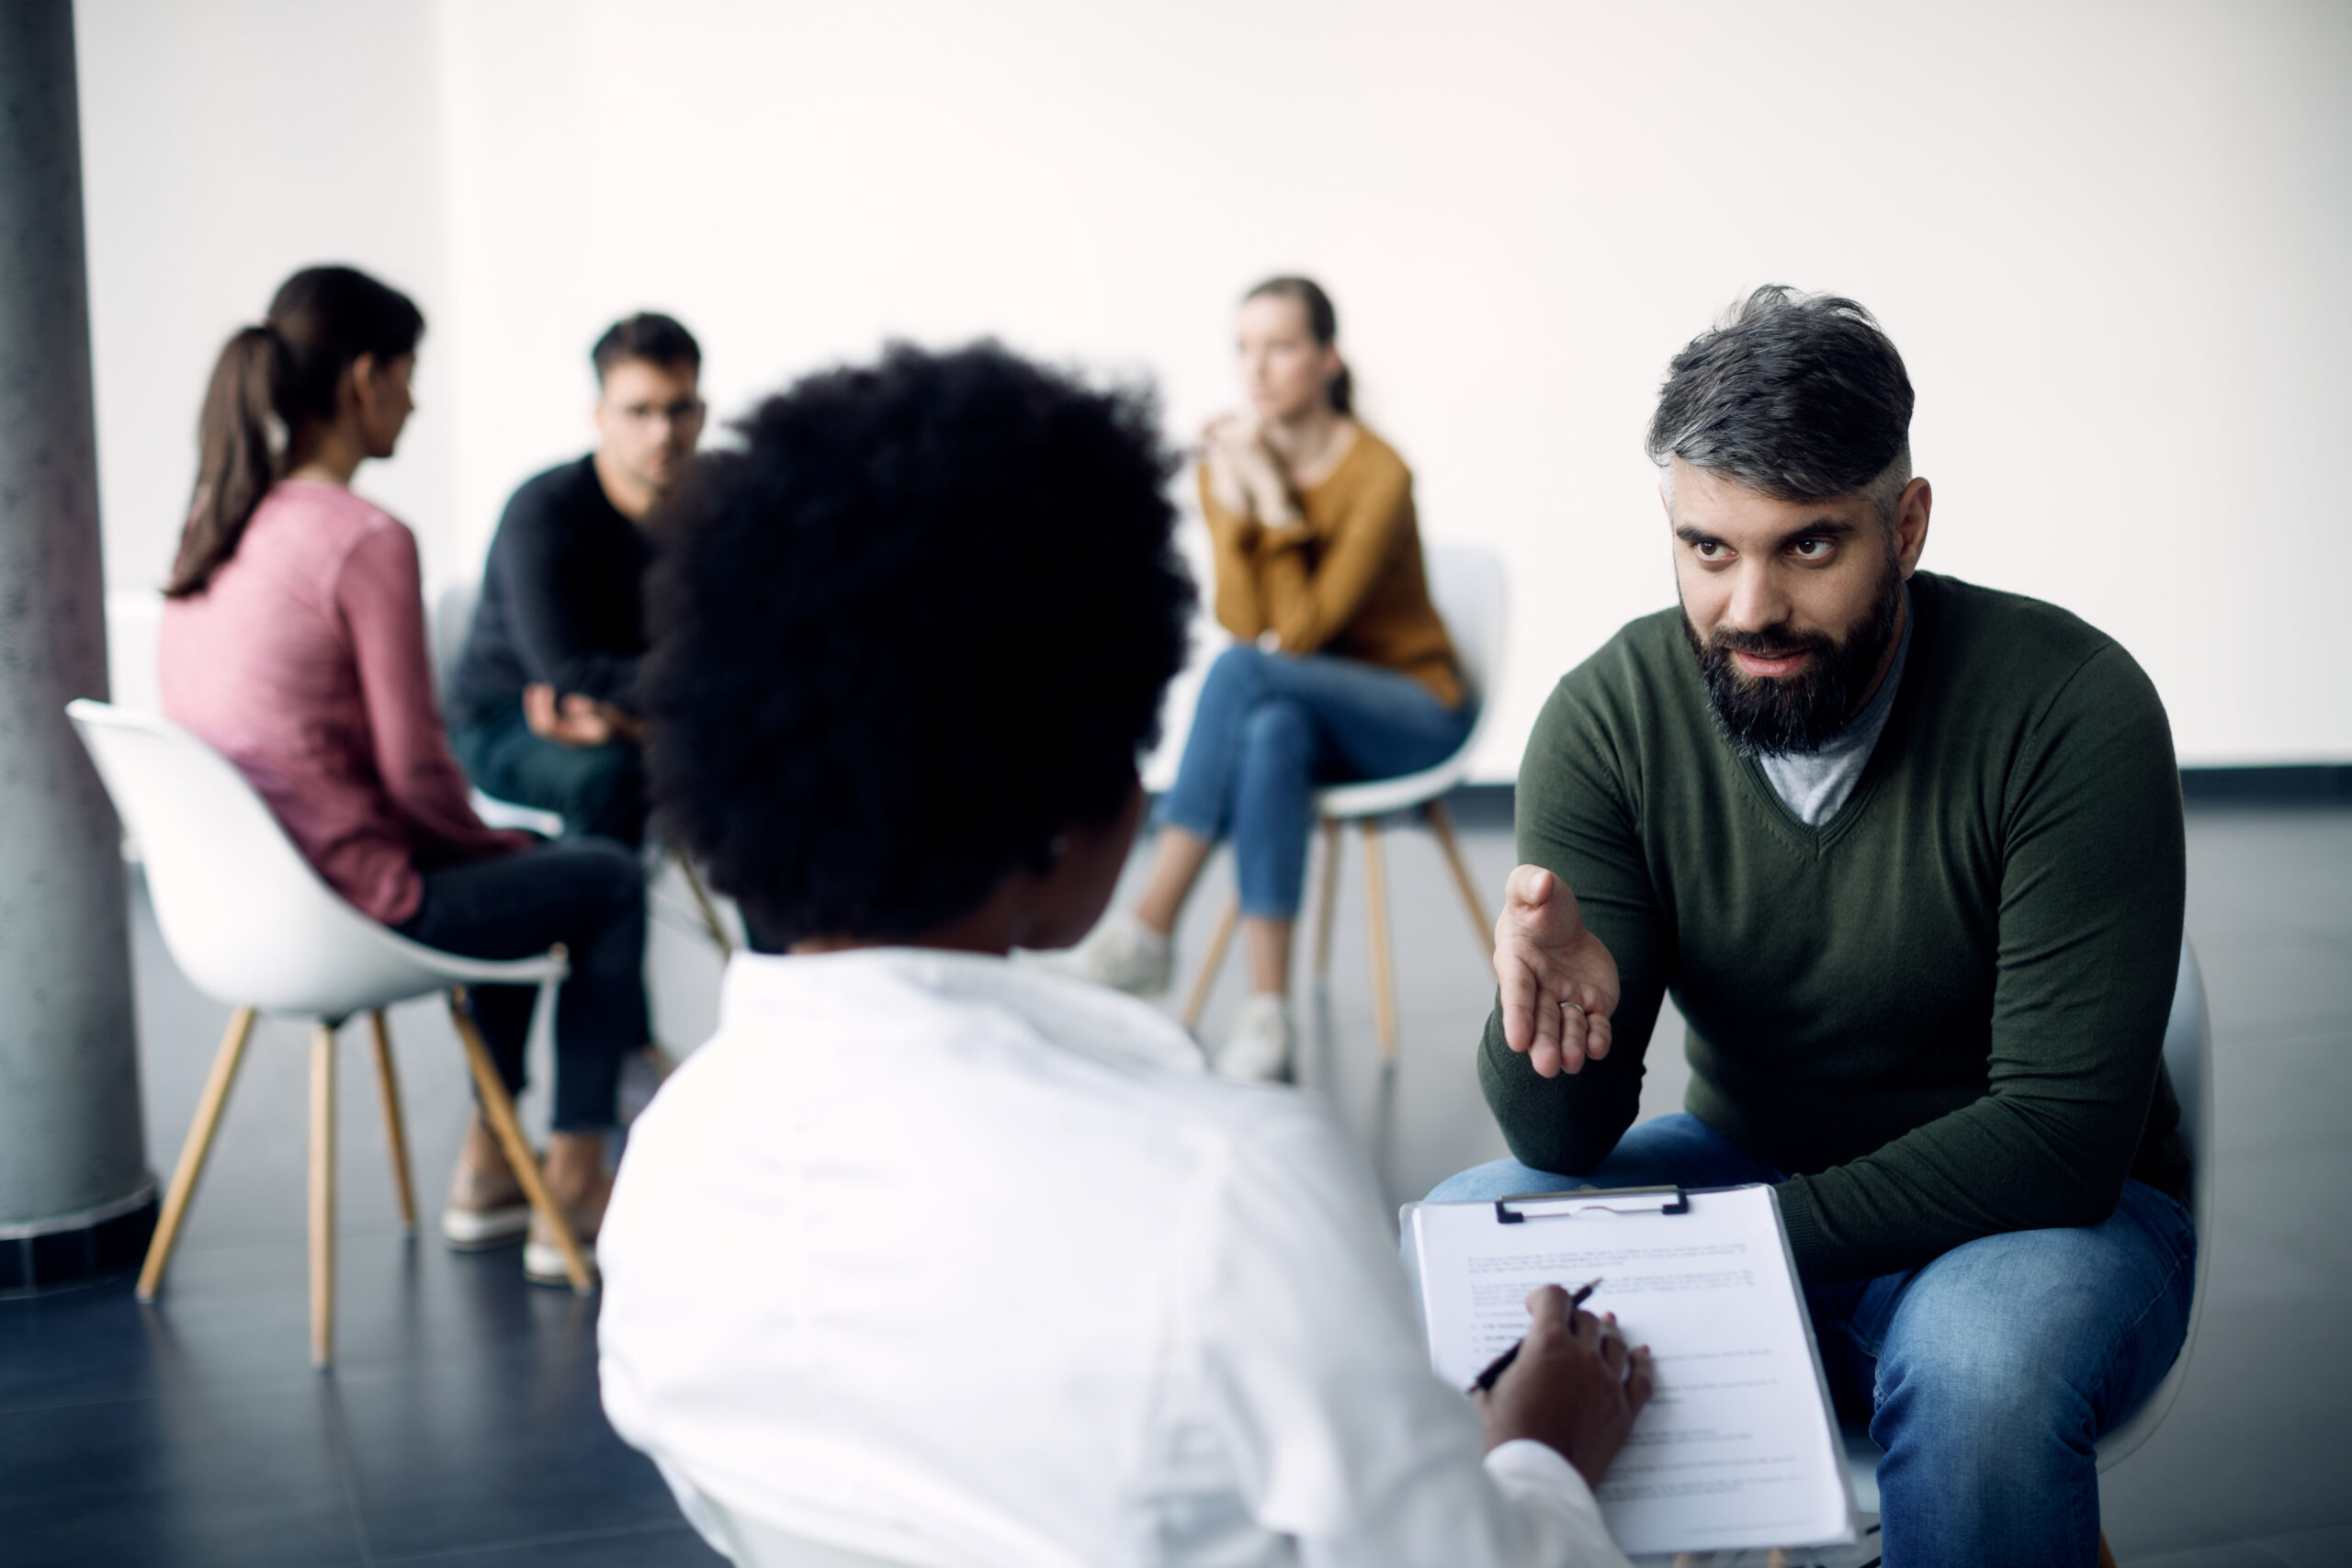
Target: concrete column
point(74, 1177)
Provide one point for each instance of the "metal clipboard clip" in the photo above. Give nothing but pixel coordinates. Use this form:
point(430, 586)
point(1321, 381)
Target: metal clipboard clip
point(1522, 1207)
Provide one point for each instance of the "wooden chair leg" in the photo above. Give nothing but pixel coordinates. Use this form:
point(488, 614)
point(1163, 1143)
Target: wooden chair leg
point(500, 1109)
point(1326, 902)
point(395, 1126)
point(322, 1195)
point(194, 1152)
point(1211, 962)
point(1384, 985)
point(1442, 824)
point(709, 912)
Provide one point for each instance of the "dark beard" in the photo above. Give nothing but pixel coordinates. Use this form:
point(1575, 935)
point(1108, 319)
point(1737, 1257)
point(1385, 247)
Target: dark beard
point(1774, 716)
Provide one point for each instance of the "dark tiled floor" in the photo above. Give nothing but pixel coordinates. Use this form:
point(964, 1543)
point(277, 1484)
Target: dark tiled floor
point(461, 1424)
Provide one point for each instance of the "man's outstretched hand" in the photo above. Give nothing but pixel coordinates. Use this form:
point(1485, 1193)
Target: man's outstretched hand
point(1559, 983)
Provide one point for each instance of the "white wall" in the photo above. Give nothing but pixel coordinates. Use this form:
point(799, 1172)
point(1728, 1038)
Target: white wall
point(2109, 238)
point(224, 144)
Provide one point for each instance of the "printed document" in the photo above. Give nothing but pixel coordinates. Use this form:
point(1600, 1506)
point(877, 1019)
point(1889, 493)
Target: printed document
point(1737, 1446)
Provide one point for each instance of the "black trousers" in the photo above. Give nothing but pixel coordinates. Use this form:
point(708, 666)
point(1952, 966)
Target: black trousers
point(588, 894)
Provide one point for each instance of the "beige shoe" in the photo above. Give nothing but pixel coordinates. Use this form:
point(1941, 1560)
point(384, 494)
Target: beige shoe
point(486, 1206)
point(583, 1205)
point(543, 1258)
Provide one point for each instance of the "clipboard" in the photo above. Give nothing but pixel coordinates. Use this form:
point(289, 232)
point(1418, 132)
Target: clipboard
point(1739, 1447)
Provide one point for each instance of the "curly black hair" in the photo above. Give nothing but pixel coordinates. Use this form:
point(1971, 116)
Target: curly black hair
point(916, 626)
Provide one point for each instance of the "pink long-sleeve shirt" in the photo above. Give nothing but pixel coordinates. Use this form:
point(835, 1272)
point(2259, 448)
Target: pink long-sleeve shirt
point(304, 663)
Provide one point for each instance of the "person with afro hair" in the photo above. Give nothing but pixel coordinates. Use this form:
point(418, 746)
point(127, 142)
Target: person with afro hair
point(932, 1257)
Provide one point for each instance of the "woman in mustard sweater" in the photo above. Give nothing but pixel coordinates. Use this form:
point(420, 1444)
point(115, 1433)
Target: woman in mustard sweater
point(1342, 669)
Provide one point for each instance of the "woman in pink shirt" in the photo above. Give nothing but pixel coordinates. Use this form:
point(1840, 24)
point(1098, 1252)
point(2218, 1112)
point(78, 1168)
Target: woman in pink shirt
point(293, 643)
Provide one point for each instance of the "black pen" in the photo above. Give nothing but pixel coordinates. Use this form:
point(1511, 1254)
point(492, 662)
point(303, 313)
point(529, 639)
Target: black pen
point(1485, 1381)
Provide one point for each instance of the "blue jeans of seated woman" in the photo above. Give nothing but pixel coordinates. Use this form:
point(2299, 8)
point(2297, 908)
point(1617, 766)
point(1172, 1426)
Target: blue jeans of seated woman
point(1985, 1375)
point(588, 894)
point(1271, 726)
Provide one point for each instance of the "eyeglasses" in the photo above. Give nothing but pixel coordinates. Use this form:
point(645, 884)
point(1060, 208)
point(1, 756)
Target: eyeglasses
point(686, 410)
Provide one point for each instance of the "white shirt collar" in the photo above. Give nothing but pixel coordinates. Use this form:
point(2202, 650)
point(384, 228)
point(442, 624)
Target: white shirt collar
point(1067, 1013)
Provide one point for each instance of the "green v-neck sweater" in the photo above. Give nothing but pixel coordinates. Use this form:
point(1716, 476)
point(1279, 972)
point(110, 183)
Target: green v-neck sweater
point(1942, 1010)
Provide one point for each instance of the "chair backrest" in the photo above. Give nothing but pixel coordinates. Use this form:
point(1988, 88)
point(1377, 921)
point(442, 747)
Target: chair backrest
point(246, 918)
point(447, 628)
point(1472, 593)
point(2188, 1062)
point(134, 638)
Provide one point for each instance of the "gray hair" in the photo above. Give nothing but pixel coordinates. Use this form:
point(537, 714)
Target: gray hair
point(1885, 491)
point(1795, 395)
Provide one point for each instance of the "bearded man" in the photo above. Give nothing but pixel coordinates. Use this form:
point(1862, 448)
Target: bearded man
point(1908, 855)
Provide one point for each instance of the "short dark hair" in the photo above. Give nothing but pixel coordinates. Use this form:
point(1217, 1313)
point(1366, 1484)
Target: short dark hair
point(649, 335)
point(917, 625)
point(1799, 397)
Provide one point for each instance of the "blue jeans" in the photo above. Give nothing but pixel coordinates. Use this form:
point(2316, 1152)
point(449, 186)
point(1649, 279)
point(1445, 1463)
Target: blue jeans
point(1986, 1373)
point(1269, 727)
point(588, 894)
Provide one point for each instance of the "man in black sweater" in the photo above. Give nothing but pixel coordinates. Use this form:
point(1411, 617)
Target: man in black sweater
point(542, 702)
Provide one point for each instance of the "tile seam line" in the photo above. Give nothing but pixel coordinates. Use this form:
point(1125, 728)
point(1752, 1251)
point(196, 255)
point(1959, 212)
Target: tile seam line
point(619, 1532)
point(347, 1471)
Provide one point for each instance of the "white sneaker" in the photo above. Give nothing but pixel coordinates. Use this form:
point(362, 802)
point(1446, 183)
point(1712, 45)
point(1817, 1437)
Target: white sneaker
point(1258, 1051)
point(1126, 955)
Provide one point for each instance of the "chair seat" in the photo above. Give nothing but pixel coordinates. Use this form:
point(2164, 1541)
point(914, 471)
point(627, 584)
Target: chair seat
point(322, 972)
point(1382, 797)
point(497, 813)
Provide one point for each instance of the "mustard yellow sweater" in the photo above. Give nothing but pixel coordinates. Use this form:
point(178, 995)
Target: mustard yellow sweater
point(1347, 580)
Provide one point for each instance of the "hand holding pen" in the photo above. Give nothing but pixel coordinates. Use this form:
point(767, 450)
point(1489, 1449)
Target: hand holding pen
point(1485, 1381)
point(1571, 1383)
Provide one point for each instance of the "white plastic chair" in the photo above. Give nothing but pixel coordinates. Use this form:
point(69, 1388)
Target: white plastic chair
point(2188, 1061)
point(1473, 597)
point(135, 633)
point(250, 924)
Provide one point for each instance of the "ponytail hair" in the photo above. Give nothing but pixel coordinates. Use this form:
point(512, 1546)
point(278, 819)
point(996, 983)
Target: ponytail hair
point(270, 382)
point(1322, 325)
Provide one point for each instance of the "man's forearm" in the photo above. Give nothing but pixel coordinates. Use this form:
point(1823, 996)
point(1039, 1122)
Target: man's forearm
point(1567, 1123)
point(1996, 1166)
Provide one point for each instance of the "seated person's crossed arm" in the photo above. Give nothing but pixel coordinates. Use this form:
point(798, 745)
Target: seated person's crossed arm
point(542, 702)
point(937, 1259)
point(1908, 854)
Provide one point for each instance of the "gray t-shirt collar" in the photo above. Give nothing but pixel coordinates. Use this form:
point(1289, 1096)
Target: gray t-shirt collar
point(1813, 784)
